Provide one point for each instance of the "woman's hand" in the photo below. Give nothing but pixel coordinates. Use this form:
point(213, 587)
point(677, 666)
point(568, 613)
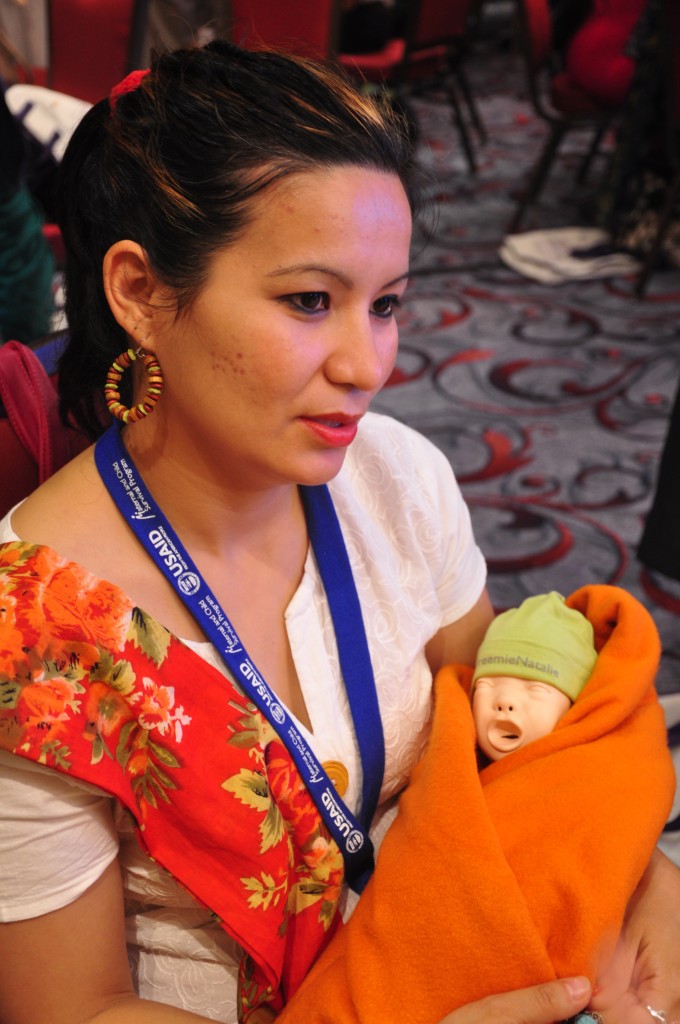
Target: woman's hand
point(542, 1004)
point(645, 970)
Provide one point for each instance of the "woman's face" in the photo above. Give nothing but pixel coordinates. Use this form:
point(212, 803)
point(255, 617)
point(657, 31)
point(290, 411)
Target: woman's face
point(268, 373)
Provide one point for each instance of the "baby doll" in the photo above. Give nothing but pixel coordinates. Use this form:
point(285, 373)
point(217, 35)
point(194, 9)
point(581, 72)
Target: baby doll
point(531, 666)
point(495, 879)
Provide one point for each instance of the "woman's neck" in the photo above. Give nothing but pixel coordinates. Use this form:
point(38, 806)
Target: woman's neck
point(207, 509)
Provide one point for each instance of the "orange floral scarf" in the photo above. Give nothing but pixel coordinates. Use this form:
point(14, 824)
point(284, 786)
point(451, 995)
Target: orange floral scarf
point(93, 687)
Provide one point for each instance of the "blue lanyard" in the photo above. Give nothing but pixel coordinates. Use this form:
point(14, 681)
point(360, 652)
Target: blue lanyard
point(157, 536)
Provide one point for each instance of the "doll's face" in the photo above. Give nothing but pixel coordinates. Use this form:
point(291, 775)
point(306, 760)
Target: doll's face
point(511, 712)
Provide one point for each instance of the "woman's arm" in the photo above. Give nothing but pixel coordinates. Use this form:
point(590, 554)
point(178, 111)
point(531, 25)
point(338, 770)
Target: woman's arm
point(70, 966)
point(457, 644)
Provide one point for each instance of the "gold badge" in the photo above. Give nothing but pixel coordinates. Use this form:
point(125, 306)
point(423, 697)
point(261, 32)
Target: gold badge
point(337, 773)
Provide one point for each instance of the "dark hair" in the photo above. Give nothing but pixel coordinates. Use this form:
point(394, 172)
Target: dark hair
point(174, 167)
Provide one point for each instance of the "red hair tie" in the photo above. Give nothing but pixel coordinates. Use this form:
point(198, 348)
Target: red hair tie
point(129, 84)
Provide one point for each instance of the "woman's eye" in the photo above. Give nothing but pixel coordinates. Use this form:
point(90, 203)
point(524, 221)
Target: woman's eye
point(385, 306)
point(309, 302)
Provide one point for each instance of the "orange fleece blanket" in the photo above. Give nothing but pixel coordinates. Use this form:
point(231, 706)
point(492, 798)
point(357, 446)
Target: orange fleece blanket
point(492, 881)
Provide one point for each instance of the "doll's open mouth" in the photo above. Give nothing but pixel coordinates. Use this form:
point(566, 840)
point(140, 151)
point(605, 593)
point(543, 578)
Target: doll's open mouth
point(505, 735)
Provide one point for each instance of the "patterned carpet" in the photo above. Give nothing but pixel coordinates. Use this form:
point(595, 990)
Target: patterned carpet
point(550, 401)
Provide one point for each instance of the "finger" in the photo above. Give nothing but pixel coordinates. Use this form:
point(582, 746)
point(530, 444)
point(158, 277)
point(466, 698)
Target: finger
point(657, 981)
point(616, 980)
point(628, 1011)
point(542, 1004)
point(660, 993)
point(635, 980)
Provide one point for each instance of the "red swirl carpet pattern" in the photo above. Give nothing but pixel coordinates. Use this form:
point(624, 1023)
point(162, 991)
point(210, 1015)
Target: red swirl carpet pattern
point(551, 402)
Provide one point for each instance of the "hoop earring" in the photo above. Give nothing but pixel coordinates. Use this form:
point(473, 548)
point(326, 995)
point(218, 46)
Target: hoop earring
point(113, 379)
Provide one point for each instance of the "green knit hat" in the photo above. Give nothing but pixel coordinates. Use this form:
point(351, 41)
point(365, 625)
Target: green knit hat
point(543, 639)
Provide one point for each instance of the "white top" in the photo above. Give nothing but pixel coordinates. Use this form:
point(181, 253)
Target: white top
point(416, 568)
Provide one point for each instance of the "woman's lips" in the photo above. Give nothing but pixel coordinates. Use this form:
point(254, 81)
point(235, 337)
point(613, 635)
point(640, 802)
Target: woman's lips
point(334, 430)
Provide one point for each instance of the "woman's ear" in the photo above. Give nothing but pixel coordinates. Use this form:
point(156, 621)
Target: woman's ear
point(133, 290)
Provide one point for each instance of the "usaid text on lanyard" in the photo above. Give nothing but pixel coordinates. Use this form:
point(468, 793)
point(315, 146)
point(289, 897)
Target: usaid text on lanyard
point(155, 533)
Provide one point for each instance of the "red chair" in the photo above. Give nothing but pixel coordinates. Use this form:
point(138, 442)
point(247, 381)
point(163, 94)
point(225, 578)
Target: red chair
point(93, 44)
point(33, 441)
point(428, 59)
point(308, 29)
point(13, 65)
point(556, 99)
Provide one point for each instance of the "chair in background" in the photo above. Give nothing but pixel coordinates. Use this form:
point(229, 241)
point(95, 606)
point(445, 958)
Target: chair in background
point(308, 29)
point(557, 100)
point(34, 443)
point(13, 65)
point(428, 58)
point(93, 44)
point(670, 50)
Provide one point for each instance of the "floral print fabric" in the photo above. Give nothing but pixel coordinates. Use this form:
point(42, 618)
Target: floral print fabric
point(93, 687)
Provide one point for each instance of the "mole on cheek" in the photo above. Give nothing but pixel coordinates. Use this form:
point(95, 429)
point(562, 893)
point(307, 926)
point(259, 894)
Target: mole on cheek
point(220, 361)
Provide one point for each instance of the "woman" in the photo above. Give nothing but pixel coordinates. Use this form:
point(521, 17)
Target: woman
point(243, 222)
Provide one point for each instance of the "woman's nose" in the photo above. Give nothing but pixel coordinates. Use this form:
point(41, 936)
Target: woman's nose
point(363, 355)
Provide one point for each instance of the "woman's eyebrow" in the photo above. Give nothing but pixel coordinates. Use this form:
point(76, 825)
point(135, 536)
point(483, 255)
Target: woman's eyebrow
point(397, 280)
point(299, 268)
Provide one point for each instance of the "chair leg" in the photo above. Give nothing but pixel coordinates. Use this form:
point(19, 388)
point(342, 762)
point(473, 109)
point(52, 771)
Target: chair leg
point(137, 57)
point(655, 248)
point(593, 150)
point(466, 93)
point(461, 126)
point(539, 174)
point(12, 62)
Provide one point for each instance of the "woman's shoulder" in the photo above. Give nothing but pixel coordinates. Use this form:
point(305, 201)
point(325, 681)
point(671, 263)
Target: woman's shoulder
point(401, 507)
point(397, 491)
point(62, 508)
point(394, 442)
point(56, 549)
point(391, 459)
point(72, 516)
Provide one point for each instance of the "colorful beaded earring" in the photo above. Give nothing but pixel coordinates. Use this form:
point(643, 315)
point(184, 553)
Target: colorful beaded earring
point(113, 379)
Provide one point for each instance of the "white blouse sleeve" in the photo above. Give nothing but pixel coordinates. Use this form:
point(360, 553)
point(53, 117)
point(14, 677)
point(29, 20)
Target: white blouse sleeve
point(57, 838)
point(461, 574)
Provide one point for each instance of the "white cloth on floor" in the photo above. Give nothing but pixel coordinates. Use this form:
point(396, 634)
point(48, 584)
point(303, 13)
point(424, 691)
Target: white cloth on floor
point(548, 256)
